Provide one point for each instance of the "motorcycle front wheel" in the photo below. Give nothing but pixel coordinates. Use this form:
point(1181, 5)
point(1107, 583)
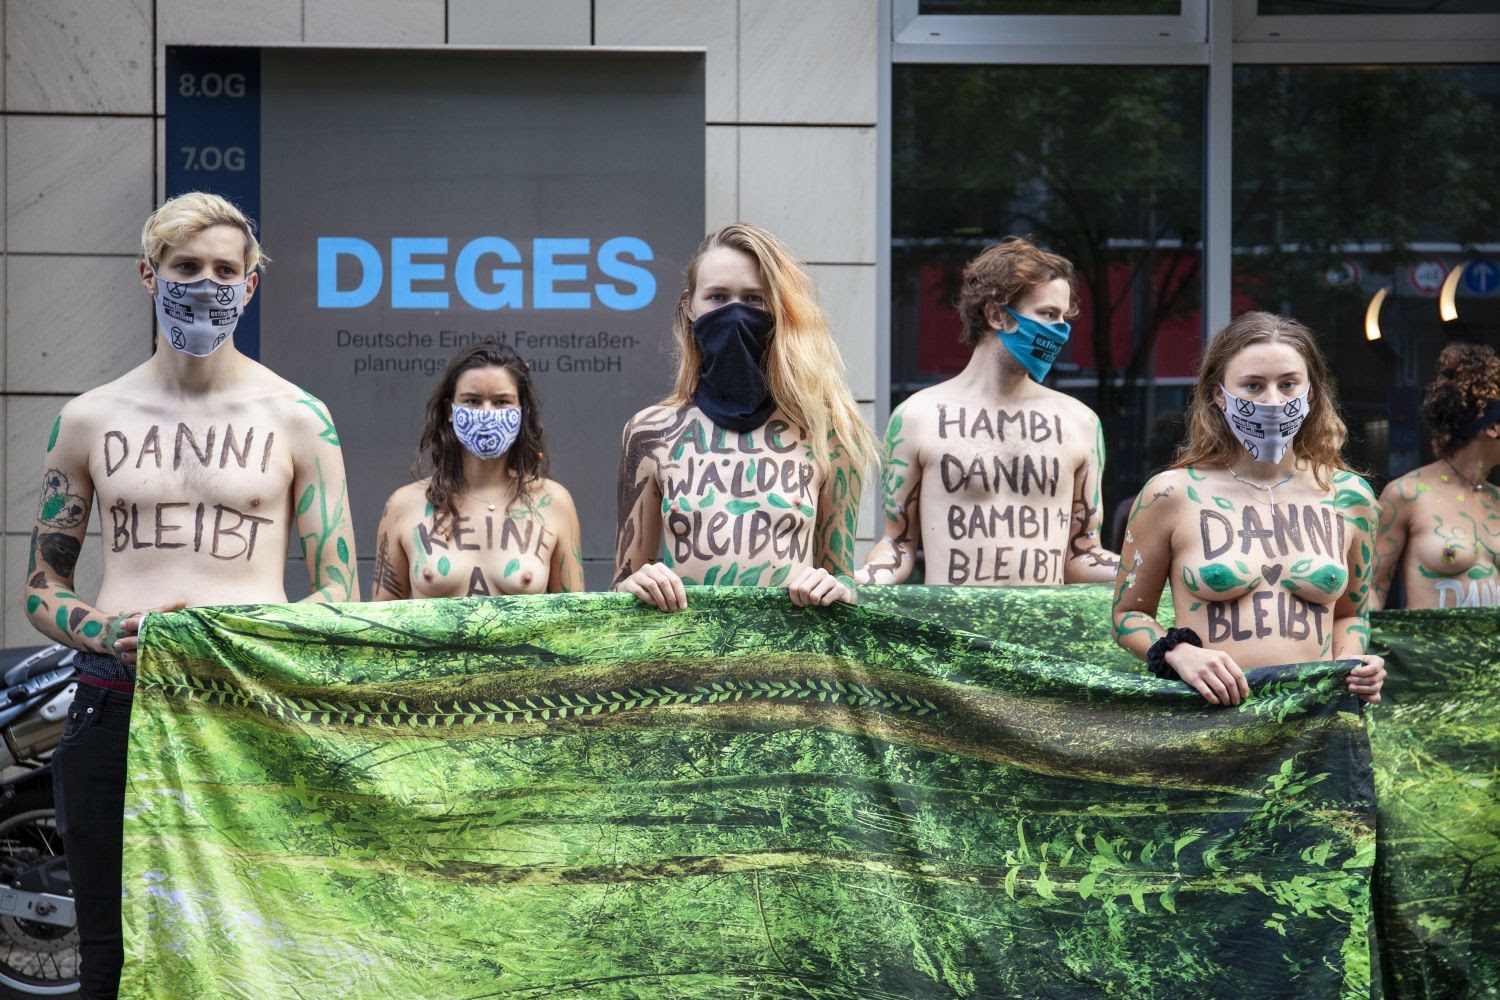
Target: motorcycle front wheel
point(36, 959)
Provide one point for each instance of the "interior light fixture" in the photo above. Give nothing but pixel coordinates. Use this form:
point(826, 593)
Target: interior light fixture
point(1372, 315)
point(1447, 308)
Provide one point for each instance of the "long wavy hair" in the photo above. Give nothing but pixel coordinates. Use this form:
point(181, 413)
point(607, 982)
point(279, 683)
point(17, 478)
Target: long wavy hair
point(1209, 444)
point(804, 369)
point(440, 448)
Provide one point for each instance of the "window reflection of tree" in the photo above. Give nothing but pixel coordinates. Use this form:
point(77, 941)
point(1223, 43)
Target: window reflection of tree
point(1101, 164)
point(1105, 165)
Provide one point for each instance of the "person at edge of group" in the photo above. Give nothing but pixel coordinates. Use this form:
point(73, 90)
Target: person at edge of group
point(202, 462)
point(749, 473)
point(1265, 535)
point(487, 520)
point(1440, 524)
point(994, 475)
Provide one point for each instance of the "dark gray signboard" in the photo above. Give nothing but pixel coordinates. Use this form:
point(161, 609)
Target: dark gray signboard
point(415, 201)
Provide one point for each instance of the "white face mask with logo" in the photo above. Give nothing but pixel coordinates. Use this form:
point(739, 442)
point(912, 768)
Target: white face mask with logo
point(198, 316)
point(1265, 429)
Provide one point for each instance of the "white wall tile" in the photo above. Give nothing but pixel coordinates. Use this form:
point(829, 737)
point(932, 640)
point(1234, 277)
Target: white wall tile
point(4, 343)
point(15, 629)
point(184, 22)
point(6, 587)
point(66, 343)
point(807, 62)
point(382, 22)
point(18, 630)
point(847, 294)
point(814, 188)
point(721, 202)
point(220, 23)
point(710, 24)
point(78, 55)
point(76, 185)
point(28, 420)
point(518, 22)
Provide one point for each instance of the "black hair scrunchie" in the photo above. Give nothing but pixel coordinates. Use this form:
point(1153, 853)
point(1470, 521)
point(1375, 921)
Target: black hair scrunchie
point(1156, 656)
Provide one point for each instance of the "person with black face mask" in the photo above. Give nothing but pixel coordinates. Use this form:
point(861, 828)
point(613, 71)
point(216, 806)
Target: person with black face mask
point(749, 474)
point(203, 464)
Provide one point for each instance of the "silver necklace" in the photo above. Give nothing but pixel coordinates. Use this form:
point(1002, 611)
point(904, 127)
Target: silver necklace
point(1270, 496)
point(1479, 487)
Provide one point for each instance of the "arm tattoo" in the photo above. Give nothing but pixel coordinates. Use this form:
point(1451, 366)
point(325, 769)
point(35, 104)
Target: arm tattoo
point(60, 552)
point(59, 507)
point(385, 574)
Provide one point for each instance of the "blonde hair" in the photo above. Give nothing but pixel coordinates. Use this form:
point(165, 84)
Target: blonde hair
point(187, 215)
point(1209, 443)
point(803, 366)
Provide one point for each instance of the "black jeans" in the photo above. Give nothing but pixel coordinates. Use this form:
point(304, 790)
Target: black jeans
point(88, 782)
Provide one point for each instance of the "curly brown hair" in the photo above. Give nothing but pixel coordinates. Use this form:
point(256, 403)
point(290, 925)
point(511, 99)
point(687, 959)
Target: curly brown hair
point(1209, 443)
point(1002, 275)
point(1468, 381)
point(439, 445)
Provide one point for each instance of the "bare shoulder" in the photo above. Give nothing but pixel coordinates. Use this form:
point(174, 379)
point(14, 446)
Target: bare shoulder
point(1350, 489)
point(654, 417)
point(1164, 492)
point(408, 503)
point(1072, 411)
point(557, 495)
point(1404, 490)
point(918, 413)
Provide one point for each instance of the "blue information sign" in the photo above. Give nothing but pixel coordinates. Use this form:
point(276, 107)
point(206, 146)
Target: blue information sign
point(213, 138)
point(1482, 277)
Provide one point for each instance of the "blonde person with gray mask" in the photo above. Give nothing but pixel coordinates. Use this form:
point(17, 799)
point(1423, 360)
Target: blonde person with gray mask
point(202, 464)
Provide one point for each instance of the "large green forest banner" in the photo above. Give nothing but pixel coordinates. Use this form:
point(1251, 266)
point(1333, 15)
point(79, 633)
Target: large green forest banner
point(938, 793)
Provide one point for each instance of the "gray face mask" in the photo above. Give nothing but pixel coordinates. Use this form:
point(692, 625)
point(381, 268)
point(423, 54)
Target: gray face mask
point(198, 316)
point(1265, 429)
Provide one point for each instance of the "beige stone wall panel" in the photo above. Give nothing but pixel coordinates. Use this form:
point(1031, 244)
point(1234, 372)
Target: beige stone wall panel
point(78, 56)
point(77, 184)
point(68, 343)
point(711, 24)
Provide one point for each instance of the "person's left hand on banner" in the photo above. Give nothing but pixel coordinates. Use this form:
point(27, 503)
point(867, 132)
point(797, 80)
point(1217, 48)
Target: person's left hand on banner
point(815, 585)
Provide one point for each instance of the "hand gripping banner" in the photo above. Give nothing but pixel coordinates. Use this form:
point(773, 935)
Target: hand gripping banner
point(938, 793)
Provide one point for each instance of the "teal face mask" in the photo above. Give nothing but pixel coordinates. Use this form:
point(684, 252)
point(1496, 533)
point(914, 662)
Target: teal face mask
point(1035, 344)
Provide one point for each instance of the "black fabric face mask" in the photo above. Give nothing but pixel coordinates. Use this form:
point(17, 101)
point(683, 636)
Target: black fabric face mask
point(732, 389)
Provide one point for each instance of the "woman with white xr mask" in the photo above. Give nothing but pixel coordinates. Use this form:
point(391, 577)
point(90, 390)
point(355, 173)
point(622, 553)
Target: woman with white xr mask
point(1263, 533)
point(487, 520)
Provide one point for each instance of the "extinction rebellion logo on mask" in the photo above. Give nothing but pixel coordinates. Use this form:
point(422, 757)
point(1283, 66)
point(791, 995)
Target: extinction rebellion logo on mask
point(487, 273)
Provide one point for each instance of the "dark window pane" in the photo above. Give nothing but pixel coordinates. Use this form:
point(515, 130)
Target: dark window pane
point(1378, 7)
point(1348, 180)
point(1167, 7)
point(1100, 164)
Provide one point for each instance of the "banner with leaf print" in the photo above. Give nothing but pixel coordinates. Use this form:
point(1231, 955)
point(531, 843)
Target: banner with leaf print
point(937, 793)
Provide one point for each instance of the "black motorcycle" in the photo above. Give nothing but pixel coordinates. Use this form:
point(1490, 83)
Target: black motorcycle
point(38, 931)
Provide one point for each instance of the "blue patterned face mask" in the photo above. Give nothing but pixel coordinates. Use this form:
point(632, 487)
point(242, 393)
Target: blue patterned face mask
point(1035, 344)
point(486, 433)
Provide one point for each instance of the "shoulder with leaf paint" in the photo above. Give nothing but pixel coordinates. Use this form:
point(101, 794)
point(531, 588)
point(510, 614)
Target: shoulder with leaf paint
point(323, 520)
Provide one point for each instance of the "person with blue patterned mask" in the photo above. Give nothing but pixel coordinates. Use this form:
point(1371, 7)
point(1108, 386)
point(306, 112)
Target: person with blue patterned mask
point(993, 474)
point(486, 520)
